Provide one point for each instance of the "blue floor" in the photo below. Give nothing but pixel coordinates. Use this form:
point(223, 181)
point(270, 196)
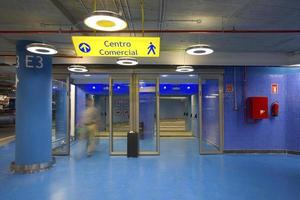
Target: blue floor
point(178, 173)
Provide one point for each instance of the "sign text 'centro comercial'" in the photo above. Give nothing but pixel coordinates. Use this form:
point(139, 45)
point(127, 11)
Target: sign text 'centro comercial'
point(116, 46)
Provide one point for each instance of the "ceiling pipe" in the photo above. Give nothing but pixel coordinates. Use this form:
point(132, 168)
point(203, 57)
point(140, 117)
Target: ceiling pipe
point(130, 16)
point(161, 14)
point(4, 32)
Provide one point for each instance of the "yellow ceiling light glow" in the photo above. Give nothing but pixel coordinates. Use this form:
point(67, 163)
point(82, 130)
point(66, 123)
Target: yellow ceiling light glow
point(103, 20)
point(106, 23)
point(199, 50)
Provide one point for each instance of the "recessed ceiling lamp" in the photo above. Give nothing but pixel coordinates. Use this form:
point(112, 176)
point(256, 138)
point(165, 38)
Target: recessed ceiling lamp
point(41, 48)
point(199, 50)
point(184, 68)
point(127, 61)
point(103, 20)
point(77, 68)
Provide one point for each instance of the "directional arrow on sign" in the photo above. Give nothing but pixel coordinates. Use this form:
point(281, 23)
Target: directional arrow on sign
point(84, 47)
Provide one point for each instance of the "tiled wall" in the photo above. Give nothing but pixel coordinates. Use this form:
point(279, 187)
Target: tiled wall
point(266, 134)
point(293, 110)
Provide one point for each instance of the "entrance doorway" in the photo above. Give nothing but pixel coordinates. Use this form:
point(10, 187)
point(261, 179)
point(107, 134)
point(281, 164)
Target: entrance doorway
point(164, 106)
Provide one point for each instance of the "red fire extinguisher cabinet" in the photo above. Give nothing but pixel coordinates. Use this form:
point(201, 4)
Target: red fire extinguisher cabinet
point(257, 107)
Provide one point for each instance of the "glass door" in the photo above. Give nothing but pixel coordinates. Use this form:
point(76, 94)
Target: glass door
point(120, 112)
point(147, 114)
point(211, 114)
point(60, 116)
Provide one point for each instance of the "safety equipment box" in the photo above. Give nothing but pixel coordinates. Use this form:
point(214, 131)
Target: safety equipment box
point(257, 107)
point(132, 144)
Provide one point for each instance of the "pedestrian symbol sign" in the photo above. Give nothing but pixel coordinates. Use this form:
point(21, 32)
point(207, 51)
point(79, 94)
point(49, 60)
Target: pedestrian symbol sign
point(84, 47)
point(151, 48)
point(116, 46)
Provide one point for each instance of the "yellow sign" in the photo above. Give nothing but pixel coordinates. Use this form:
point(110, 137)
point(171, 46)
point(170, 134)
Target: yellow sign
point(116, 46)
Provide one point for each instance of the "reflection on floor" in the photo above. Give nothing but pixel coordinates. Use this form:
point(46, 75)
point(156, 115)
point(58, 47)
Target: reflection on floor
point(178, 173)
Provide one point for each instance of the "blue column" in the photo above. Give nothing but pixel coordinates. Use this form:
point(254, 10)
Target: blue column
point(61, 109)
point(33, 110)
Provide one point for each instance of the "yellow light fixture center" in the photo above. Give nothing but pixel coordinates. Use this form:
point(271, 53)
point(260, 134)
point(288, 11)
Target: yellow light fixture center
point(106, 23)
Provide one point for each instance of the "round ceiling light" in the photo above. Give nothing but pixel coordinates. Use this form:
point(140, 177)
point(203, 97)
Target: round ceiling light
point(78, 68)
point(41, 48)
point(103, 20)
point(184, 68)
point(199, 50)
point(127, 61)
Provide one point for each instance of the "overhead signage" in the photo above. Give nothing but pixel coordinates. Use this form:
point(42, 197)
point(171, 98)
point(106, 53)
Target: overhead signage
point(116, 46)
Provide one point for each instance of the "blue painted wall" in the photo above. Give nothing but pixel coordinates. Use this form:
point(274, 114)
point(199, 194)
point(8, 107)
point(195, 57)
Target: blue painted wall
point(280, 132)
point(293, 110)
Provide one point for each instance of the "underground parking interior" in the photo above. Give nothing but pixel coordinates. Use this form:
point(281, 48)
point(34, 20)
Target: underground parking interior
point(136, 99)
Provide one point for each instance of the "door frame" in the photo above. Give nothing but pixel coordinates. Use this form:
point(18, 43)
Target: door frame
point(218, 77)
point(133, 109)
point(66, 79)
point(202, 74)
point(136, 78)
point(110, 111)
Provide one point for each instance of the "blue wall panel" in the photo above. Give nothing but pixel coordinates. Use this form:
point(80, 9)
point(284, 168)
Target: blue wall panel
point(264, 134)
point(293, 110)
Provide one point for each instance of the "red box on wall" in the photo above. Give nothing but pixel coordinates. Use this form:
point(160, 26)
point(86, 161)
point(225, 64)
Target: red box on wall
point(257, 107)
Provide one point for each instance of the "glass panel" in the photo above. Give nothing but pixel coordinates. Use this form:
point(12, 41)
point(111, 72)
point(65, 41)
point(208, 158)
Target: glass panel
point(210, 138)
point(102, 103)
point(120, 114)
point(178, 105)
point(147, 115)
point(60, 143)
point(100, 94)
point(92, 99)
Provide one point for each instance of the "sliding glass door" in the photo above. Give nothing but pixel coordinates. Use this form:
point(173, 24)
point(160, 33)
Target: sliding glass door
point(211, 114)
point(147, 114)
point(133, 106)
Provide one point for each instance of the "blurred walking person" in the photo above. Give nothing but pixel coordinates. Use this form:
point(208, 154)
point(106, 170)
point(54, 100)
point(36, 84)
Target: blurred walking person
point(90, 121)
